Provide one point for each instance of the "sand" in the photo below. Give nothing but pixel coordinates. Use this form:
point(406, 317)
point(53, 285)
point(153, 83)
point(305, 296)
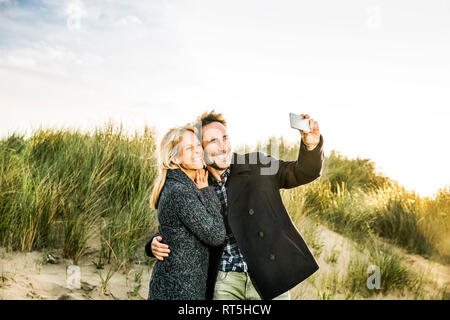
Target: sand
point(30, 275)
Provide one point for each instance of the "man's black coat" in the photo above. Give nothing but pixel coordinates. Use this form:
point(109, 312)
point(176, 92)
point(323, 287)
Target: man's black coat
point(275, 252)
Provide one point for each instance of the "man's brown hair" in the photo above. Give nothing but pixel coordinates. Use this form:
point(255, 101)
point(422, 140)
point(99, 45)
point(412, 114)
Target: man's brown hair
point(210, 117)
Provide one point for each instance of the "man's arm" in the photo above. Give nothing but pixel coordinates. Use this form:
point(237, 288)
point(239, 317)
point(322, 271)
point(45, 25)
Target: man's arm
point(305, 169)
point(156, 249)
point(308, 165)
point(199, 222)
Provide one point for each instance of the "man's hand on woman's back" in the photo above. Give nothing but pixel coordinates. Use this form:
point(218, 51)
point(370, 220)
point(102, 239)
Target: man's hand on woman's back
point(159, 249)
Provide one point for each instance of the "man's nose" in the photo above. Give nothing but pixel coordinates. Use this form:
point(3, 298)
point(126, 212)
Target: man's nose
point(223, 147)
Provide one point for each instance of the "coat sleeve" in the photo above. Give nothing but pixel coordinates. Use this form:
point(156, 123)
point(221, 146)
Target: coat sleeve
point(148, 246)
point(305, 169)
point(204, 220)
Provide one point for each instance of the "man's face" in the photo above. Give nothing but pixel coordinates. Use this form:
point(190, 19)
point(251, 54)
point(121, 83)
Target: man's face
point(216, 146)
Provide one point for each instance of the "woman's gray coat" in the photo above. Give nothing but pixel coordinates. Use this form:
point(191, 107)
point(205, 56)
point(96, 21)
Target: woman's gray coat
point(189, 222)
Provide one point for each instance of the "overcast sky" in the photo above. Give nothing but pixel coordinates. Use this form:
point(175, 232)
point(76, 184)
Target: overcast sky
point(374, 74)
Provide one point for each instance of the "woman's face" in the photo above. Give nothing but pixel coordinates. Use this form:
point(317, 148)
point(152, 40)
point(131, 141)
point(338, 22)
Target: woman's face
point(190, 155)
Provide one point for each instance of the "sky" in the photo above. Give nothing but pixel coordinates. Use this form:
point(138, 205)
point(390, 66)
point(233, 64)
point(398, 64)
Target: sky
point(374, 74)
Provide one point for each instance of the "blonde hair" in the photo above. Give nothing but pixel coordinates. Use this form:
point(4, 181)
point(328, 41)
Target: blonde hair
point(167, 152)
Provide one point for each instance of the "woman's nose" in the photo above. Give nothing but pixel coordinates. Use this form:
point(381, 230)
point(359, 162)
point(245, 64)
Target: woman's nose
point(198, 151)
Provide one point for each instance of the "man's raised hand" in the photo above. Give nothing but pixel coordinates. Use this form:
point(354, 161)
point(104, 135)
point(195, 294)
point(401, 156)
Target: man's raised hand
point(310, 139)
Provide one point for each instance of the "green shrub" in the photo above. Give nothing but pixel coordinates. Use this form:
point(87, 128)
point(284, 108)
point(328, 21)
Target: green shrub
point(56, 185)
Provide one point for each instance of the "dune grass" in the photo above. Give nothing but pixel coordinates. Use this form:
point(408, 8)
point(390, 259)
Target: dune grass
point(58, 186)
point(65, 189)
point(345, 273)
point(394, 274)
point(352, 198)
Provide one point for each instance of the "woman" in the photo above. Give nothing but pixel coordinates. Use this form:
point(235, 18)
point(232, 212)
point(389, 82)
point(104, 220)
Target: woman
point(189, 218)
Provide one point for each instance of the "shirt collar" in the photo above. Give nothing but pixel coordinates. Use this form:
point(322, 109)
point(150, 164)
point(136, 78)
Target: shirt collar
point(224, 176)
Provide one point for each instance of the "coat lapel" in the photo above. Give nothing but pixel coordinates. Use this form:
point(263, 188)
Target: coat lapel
point(238, 179)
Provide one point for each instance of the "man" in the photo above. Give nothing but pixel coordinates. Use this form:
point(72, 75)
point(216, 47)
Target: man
point(263, 255)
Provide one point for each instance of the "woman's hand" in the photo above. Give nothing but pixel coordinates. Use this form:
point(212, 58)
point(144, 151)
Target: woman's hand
point(201, 178)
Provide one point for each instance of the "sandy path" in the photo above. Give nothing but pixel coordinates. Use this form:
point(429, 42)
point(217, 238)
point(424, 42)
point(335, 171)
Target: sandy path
point(23, 276)
point(334, 244)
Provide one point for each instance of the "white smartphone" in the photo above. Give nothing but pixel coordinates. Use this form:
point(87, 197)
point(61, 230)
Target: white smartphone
point(299, 122)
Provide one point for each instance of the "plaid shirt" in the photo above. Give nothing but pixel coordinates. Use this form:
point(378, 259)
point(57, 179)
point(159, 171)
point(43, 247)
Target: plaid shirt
point(232, 259)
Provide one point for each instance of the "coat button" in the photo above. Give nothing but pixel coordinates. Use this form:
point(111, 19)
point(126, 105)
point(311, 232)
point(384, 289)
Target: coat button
point(251, 212)
point(261, 234)
point(272, 257)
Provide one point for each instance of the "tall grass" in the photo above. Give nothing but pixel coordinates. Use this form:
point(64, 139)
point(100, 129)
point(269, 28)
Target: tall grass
point(434, 221)
point(394, 274)
point(66, 189)
point(352, 198)
point(398, 219)
point(58, 186)
point(125, 229)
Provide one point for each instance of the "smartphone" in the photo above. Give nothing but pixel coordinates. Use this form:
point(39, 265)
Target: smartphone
point(299, 122)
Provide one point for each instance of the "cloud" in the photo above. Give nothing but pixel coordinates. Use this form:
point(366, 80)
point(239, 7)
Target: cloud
point(63, 36)
point(130, 21)
point(169, 60)
point(75, 11)
point(48, 59)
